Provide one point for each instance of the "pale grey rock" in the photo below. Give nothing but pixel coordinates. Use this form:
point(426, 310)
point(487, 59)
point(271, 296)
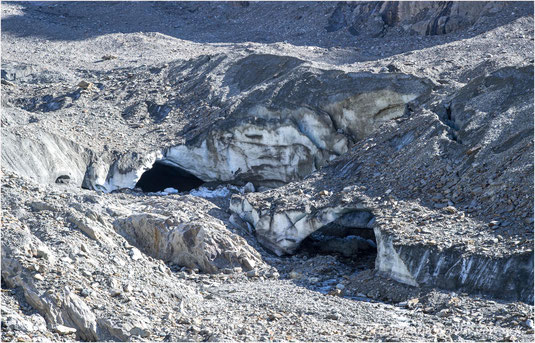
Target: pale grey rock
point(205, 244)
point(79, 315)
point(65, 330)
point(248, 188)
point(91, 228)
point(15, 322)
point(135, 254)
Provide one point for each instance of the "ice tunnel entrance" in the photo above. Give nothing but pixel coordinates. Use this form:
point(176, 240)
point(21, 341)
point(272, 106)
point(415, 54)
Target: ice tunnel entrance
point(351, 236)
point(163, 175)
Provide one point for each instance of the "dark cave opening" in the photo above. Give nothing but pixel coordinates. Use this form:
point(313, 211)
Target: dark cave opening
point(163, 175)
point(351, 237)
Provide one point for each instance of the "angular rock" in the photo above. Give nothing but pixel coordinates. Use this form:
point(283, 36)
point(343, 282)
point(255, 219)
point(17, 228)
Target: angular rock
point(204, 243)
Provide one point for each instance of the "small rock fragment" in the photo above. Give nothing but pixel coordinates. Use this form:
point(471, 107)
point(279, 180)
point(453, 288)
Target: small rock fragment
point(248, 188)
point(335, 292)
point(64, 330)
point(85, 84)
point(135, 254)
point(332, 316)
point(294, 275)
point(450, 209)
point(109, 57)
point(252, 273)
point(494, 223)
point(324, 193)
point(473, 150)
point(115, 292)
point(7, 83)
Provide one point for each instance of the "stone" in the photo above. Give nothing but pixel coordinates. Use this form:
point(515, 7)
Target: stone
point(450, 209)
point(248, 188)
point(15, 322)
point(115, 292)
point(109, 57)
point(313, 279)
point(411, 303)
point(529, 323)
point(91, 228)
point(140, 331)
point(206, 244)
point(85, 84)
point(8, 83)
point(335, 292)
point(273, 274)
point(65, 330)
point(41, 206)
point(135, 254)
point(294, 275)
point(332, 316)
point(252, 273)
point(79, 316)
point(84, 248)
point(494, 223)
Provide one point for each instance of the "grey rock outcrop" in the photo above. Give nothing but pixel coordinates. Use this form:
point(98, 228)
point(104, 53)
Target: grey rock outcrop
point(61, 261)
point(421, 17)
point(203, 243)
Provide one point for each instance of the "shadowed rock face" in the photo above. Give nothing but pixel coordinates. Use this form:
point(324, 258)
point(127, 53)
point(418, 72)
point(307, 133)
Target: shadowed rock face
point(509, 278)
point(421, 17)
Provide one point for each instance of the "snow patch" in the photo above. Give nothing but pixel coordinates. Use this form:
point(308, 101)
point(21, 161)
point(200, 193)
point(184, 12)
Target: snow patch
point(204, 192)
point(170, 190)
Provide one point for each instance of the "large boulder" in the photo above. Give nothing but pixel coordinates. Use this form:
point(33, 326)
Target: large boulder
point(186, 238)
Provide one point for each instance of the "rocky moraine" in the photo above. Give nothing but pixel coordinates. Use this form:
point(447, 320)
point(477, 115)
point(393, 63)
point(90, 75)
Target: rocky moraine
point(267, 171)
